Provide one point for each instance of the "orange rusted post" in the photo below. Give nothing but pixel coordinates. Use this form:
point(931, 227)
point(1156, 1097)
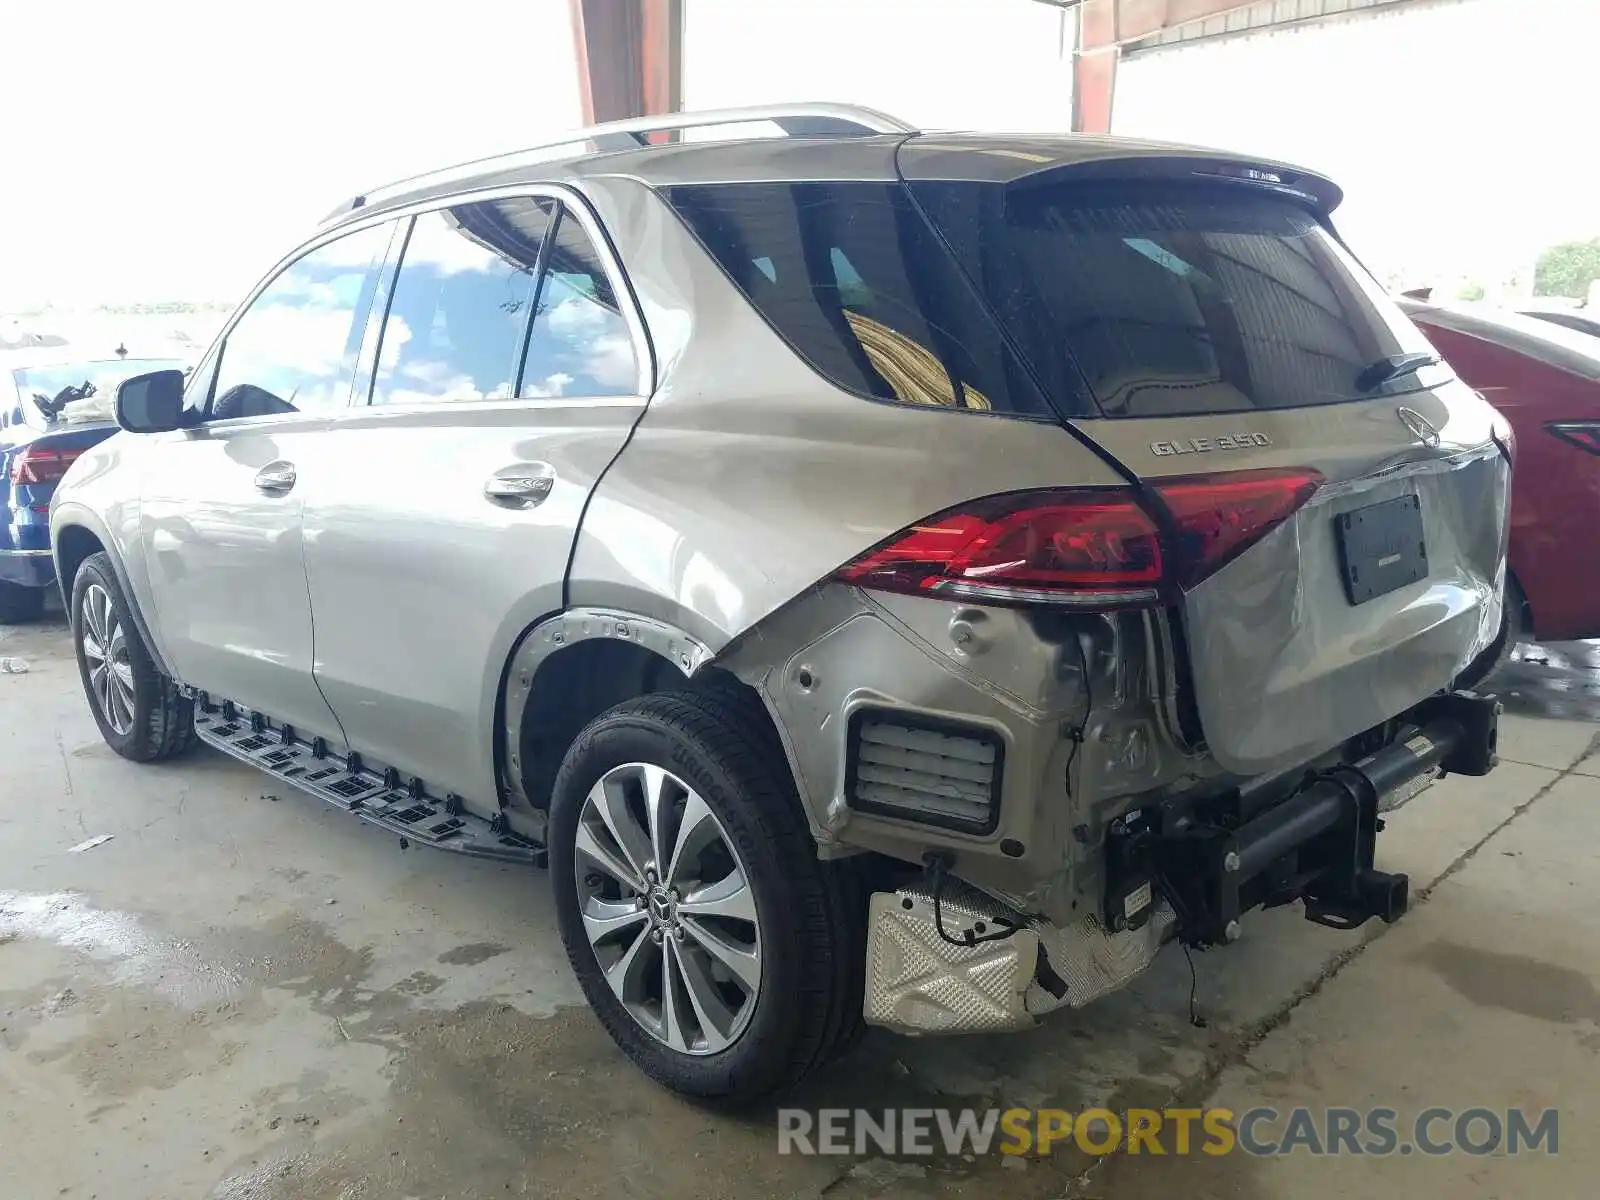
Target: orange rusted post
point(1104, 27)
point(630, 57)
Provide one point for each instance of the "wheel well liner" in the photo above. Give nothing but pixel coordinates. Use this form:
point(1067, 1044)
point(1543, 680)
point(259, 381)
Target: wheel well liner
point(74, 543)
point(568, 670)
point(1517, 594)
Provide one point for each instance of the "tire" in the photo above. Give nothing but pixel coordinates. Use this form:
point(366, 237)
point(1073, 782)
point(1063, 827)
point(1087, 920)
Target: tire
point(19, 604)
point(141, 713)
point(808, 932)
point(1513, 630)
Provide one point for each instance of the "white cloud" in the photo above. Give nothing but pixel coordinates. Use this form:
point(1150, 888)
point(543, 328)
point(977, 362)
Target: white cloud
point(608, 360)
point(553, 385)
point(578, 315)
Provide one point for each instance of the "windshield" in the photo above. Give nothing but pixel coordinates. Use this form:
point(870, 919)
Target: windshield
point(1170, 300)
point(44, 390)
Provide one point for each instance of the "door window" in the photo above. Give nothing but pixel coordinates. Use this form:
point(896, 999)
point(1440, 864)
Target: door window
point(580, 344)
point(295, 348)
point(461, 303)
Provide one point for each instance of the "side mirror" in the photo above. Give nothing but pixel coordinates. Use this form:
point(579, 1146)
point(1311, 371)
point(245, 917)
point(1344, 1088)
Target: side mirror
point(151, 403)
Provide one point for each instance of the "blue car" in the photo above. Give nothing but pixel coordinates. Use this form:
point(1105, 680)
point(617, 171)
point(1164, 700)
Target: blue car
point(52, 409)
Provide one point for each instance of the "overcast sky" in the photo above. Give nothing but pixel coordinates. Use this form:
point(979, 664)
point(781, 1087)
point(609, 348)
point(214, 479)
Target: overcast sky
point(162, 149)
point(1460, 132)
point(173, 149)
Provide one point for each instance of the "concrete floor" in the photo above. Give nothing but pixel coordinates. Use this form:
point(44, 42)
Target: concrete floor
point(244, 993)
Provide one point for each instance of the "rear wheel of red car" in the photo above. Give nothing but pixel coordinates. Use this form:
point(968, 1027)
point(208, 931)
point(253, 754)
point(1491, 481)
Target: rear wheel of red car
point(19, 604)
point(719, 952)
point(141, 713)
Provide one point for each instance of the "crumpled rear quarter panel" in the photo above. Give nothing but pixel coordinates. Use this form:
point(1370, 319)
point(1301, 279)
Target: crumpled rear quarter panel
point(750, 477)
point(839, 649)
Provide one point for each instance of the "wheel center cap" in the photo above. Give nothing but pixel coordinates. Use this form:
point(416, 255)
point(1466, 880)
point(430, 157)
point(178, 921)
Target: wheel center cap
point(660, 906)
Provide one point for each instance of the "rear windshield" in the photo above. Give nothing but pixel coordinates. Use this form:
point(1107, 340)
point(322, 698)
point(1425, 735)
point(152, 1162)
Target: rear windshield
point(1172, 299)
point(1085, 298)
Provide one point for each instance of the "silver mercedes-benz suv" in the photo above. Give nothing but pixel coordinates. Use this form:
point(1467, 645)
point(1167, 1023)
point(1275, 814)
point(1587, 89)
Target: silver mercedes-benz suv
point(889, 577)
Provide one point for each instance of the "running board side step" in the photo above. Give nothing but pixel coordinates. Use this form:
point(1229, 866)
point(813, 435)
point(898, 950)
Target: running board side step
point(375, 797)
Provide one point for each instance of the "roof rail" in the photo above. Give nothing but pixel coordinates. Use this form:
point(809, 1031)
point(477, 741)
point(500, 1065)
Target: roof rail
point(795, 120)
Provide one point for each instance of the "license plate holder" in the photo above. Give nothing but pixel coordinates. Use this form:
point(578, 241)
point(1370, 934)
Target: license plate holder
point(1381, 548)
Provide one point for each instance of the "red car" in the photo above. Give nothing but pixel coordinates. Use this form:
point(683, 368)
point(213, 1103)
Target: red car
point(1545, 379)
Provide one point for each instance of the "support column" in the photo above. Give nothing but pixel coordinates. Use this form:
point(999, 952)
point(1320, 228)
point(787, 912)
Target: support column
point(1104, 27)
point(630, 57)
point(1094, 65)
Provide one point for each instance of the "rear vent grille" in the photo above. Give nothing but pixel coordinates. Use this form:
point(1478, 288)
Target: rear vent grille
point(925, 770)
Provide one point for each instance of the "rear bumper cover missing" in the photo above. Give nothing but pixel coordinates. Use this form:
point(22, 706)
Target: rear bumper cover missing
point(1171, 873)
point(1317, 845)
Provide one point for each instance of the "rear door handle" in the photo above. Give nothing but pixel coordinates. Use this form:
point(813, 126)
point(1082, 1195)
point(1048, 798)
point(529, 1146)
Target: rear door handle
point(276, 478)
point(521, 485)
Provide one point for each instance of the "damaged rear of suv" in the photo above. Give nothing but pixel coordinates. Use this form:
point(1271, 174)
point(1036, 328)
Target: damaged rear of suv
point(1019, 552)
point(1169, 651)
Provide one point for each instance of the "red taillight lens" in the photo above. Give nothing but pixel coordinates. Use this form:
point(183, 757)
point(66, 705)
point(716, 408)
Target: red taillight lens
point(1219, 517)
point(41, 466)
point(1583, 434)
point(1062, 547)
point(1091, 548)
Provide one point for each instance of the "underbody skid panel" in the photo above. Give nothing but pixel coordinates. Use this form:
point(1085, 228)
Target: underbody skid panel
point(376, 797)
point(965, 963)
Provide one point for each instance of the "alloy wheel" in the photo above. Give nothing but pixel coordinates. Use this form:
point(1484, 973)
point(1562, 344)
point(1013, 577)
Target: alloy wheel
point(668, 909)
point(105, 646)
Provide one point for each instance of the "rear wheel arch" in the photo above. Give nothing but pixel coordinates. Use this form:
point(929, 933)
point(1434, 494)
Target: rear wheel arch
point(567, 670)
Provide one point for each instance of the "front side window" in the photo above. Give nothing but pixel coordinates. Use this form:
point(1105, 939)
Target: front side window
point(461, 304)
point(580, 343)
point(295, 348)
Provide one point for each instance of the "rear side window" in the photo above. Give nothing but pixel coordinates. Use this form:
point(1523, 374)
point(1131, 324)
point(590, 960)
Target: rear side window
point(1171, 299)
point(461, 303)
point(580, 344)
point(852, 277)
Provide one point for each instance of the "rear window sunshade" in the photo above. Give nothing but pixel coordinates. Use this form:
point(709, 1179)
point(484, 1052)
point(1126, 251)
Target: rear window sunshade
point(1170, 299)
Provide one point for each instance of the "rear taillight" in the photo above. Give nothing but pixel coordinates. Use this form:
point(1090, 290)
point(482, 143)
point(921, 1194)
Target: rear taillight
point(1219, 517)
point(35, 465)
point(1090, 548)
point(1583, 434)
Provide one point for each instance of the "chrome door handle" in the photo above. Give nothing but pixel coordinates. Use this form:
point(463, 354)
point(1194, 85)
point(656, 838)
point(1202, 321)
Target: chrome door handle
point(521, 485)
point(276, 478)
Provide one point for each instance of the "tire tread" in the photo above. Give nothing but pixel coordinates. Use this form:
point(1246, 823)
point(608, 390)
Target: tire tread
point(829, 996)
point(167, 729)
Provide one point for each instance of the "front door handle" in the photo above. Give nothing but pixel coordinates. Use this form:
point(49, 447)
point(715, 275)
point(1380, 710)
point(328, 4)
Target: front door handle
point(276, 478)
point(521, 485)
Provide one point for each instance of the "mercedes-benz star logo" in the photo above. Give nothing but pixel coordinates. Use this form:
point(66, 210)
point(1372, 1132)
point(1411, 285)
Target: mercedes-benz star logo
point(1421, 428)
